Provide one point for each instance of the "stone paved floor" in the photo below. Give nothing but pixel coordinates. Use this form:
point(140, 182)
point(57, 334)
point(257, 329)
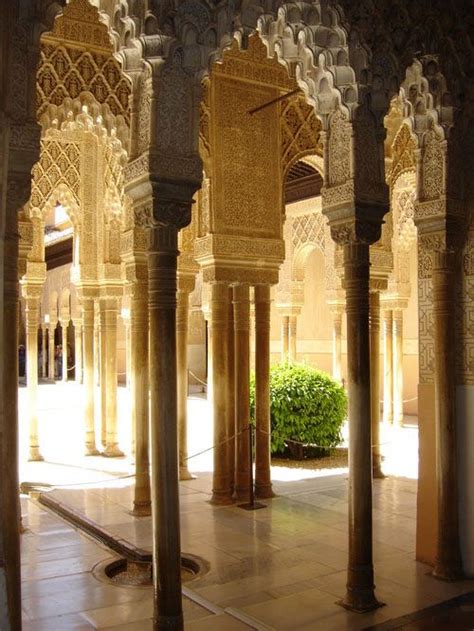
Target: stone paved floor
point(280, 568)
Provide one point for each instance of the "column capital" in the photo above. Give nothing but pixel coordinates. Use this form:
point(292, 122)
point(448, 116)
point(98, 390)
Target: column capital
point(362, 226)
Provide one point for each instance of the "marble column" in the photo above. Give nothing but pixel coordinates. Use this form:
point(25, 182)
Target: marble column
point(102, 373)
point(263, 481)
point(87, 306)
point(337, 345)
point(78, 350)
point(388, 366)
point(64, 326)
point(162, 281)
point(292, 334)
point(139, 395)
point(285, 340)
point(241, 301)
point(44, 373)
point(360, 594)
point(182, 323)
point(9, 481)
point(97, 351)
point(51, 350)
point(230, 392)
point(375, 383)
point(32, 315)
point(448, 563)
point(398, 367)
point(128, 351)
point(109, 308)
point(210, 397)
point(219, 307)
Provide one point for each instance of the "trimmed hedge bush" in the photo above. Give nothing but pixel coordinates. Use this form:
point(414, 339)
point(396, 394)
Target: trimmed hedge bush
point(307, 405)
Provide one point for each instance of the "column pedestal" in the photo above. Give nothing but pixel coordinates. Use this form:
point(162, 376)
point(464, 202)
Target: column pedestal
point(375, 383)
point(263, 482)
point(242, 388)
point(89, 384)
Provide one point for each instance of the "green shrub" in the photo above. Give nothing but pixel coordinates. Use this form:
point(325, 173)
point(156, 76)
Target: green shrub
point(306, 405)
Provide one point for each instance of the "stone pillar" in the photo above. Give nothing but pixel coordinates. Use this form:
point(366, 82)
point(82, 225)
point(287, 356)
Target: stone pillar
point(43, 351)
point(388, 367)
point(162, 272)
point(128, 351)
point(285, 340)
point(448, 563)
point(242, 388)
point(51, 350)
point(263, 482)
point(398, 367)
point(337, 345)
point(32, 315)
point(375, 383)
point(230, 392)
point(97, 350)
point(78, 349)
point(64, 325)
point(360, 577)
point(182, 323)
point(219, 307)
point(89, 383)
point(9, 481)
point(210, 397)
point(109, 309)
point(139, 393)
point(102, 373)
point(292, 334)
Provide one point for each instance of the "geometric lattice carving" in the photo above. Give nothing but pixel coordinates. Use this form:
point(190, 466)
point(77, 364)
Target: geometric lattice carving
point(299, 128)
point(309, 229)
point(425, 331)
point(59, 164)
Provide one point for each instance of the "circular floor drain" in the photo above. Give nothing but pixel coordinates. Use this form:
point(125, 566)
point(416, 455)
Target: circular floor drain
point(134, 574)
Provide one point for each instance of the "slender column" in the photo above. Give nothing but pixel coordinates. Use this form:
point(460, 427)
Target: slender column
point(242, 388)
point(221, 481)
point(285, 329)
point(398, 367)
point(78, 350)
point(292, 328)
point(182, 321)
point(32, 314)
point(162, 264)
point(9, 481)
point(263, 481)
point(448, 564)
point(43, 351)
point(89, 383)
point(51, 349)
point(388, 367)
point(64, 325)
point(230, 392)
point(97, 351)
point(210, 396)
point(375, 383)
point(110, 310)
point(140, 396)
point(337, 345)
point(103, 377)
point(360, 576)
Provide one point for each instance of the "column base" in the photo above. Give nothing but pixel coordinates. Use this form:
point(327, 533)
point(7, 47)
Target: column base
point(221, 499)
point(264, 492)
point(378, 474)
point(242, 495)
point(360, 595)
point(141, 509)
point(35, 455)
point(448, 574)
point(91, 450)
point(185, 474)
point(168, 623)
point(113, 451)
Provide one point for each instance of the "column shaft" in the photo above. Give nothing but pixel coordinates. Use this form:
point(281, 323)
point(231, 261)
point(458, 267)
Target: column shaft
point(242, 388)
point(360, 577)
point(285, 331)
point(448, 564)
point(162, 264)
point(337, 346)
point(43, 351)
point(9, 482)
point(110, 310)
point(263, 482)
point(89, 384)
point(64, 325)
point(97, 352)
point(78, 350)
point(51, 349)
point(292, 332)
point(139, 395)
point(388, 367)
point(230, 392)
point(221, 481)
point(103, 376)
point(209, 362)
point(375, 382)
point(32, 314)
point(182, 321)
point(398, 367)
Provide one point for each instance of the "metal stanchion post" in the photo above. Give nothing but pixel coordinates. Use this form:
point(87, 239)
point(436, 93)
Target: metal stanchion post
point(252, 504)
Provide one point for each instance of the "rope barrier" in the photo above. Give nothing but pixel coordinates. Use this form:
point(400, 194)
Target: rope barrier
point(204, 383)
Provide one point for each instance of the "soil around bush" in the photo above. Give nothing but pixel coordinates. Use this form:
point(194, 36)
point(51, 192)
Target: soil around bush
point(313, 458)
